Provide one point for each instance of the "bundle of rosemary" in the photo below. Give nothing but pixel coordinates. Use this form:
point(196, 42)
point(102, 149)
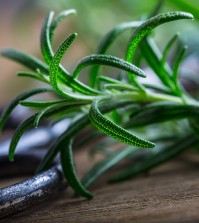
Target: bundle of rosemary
point(116, 106)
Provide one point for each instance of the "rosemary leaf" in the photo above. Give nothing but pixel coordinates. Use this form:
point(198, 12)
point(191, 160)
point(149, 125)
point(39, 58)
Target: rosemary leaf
point(146, 28)
point(47, 103)
point(107, 60)
point(113, 130)
point(8, 110)
point(101, 167)
point(149, 25)
point(67, 105)
point(35, 76)
point(54, 71)
point(54, 65)
point(70, 172)
point(178, 63)
point(45, 39)
point(168, 47)
point(106, 42)
point(167, 154)
point(57, 21)
point(27, 124)
point(162, 112)
point(28, 61)
point(153, 56)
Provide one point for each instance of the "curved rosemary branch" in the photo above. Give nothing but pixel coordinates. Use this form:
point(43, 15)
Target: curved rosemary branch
point(116, 108)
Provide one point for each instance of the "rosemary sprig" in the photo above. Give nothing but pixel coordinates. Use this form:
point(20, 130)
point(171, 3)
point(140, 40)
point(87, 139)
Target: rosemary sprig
point(113, 106)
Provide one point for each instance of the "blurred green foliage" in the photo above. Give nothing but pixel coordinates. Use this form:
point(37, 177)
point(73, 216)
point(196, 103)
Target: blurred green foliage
point(95, 18)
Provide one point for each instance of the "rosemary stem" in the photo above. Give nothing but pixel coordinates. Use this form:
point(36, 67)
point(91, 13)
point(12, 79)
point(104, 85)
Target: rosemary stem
point(153, 97)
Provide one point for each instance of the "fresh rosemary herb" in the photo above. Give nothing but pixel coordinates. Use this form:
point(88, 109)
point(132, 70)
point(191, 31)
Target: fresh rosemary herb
point(114, 106)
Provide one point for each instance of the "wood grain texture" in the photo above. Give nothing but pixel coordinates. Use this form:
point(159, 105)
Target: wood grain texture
point(169, 193)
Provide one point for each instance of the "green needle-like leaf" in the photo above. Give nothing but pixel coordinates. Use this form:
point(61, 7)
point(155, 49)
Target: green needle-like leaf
point(146, 28)
point(53, 107)
point(23, 127)
point(153, 57)
point(109, 61)
point(48, 103)
point(116, 83)
point(162, 112)
point(69, 171)
point(178, 63)
point(57, 21)
point(45, 39)
point(155, 160)
point(35, 76)
point(28, 123)
point(28, 61)
point(189, 6)
point(168, 48)
point(118, 87)
point(41, 104)
point(157, 88)
point(149, 25)
point(54, 71)
point(113, 130)
point(101, 167)
point(8, 110)
point(54, 65)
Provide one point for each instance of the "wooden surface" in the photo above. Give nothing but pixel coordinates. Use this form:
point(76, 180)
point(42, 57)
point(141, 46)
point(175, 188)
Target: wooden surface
point(169, 194)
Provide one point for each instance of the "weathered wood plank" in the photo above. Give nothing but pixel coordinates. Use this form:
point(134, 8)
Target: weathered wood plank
point(169, 194)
